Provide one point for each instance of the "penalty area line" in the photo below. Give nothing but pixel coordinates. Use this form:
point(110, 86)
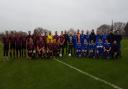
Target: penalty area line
point(90, 75)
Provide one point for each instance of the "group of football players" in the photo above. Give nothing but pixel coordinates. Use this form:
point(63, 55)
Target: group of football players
point(37, 45)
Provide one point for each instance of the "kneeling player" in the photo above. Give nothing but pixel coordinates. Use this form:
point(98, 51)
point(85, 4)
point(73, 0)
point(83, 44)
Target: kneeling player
point(49, 50)
point(40, 47)
point(99, 49)
point(85, 48)
point(107, 50)
point(56, 50)
point(78, 50)
point(40, 50)
point(115, 50)
point(92, 49)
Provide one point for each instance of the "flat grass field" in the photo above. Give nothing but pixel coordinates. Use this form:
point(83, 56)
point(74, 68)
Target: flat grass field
point(51, 74)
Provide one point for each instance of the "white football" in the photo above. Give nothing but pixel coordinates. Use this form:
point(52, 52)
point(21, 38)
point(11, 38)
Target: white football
point(60, 55)
point(34, 51)
point(69, 54)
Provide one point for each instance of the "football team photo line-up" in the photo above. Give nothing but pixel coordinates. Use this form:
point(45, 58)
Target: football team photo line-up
point(46, 45)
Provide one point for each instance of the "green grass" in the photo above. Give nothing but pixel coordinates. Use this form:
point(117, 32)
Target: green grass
point(50, 74)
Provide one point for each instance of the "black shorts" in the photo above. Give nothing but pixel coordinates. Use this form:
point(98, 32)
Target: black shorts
point(23, 46)
point(18, 47)
point(30, 52)
point(6, 47)
point(12, 46)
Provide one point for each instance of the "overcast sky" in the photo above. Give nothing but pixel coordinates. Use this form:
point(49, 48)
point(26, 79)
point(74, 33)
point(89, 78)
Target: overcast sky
point(60, 14)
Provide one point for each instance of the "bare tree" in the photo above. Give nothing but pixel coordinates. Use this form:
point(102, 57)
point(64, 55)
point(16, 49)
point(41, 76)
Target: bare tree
point(71, 30)
point(104, 28)
point(119, 26)
point(126, 29)
point(40, 30)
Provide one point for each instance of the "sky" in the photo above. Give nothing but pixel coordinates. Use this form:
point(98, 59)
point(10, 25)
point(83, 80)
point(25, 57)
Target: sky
point(25, 15)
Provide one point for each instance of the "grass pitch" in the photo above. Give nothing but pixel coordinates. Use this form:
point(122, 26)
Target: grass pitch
point(50, 74)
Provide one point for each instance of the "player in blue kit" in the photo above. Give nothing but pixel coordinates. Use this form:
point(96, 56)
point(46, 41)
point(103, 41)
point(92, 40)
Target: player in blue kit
point(74, 42)
point(99, 48)
point(78, 50)
point(105, 34)
point(84, 44)
point(87, 36)
point(85, 48)
point(82, 37)
point(78, 45)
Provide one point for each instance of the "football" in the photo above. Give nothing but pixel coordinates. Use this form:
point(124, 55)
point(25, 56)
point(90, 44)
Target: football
point(60, 55)
point(69, 54)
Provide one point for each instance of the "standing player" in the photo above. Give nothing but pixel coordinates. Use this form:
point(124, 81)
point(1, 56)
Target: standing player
point(50, 38)
point(49, 45)
point(118, 39)
point(18, 44)
point(6, 45)
point(12, 44)
point(61, 43)
point(45, 40)
point(78, 44)
point(29, 45)
point(24, 45)
point(87, 36)
point(70, 44)
point(75, 42)
point(56, 45)
point(82, 40)
point(85, 44)
point(82, 37)
point(110, 37)
point(99, 36)
point(105, 35)
point(45, 43)
point(78, 37)
point(56, 37)
point(35, 38)
point(92, 36)
point(65, 43)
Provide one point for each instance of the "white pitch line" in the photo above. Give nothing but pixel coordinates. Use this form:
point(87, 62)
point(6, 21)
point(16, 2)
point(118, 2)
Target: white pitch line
point(90, 75)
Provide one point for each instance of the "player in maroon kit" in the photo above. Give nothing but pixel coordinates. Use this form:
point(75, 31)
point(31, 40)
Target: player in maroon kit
point(29, 45)
point(45, 43)
point(23, 36)
point(56, 50)
point(66, 43)
point(18, 43)
point(6, 45)
point(49, 49)
point(40, 46)
point(12, 48)
point(61, 43)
